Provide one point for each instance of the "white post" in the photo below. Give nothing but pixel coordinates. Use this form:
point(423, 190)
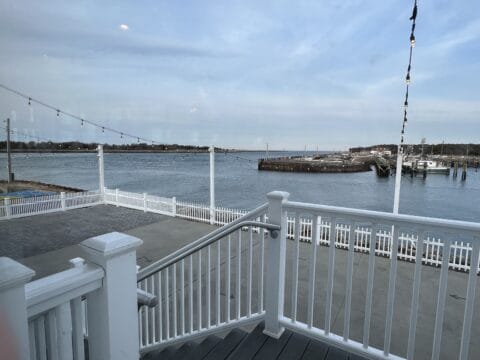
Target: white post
point(112, 310)
point(62, 200)
point(275, 265)
point(174, 206)
point(13, 309)
point(8, 209)
point(212, 184)
point(116, 197)
point(101, 171)
point(144, 202)
point(398, 180)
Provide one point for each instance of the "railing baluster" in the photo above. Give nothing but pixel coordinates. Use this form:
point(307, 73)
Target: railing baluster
point(63, 317)
point(391, 290)
point(174, 299)
point(32, 336)
point(249, 269)
point(218, 284)
point(152, 311)
point(77, 336)
point(199, 290)
point(41, 339)
point(368, 300)
point(51, 330)
point(190, 291)
point(167, 306)
point(415, 296)
point(311, 273)
point(442, 292)
point(468, 315)
point(331, 264)
point(209, 271)
point(182, 297)
point(239, 268)
point(261, 255)
point(227, 281)
point(348, 288)
point(160, 307)
point(296, 246)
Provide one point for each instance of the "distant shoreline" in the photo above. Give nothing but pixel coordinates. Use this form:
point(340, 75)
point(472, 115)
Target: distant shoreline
point(219, 151)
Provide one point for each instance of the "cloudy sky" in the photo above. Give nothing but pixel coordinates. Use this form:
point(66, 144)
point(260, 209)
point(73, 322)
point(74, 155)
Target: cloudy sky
point(243, 73)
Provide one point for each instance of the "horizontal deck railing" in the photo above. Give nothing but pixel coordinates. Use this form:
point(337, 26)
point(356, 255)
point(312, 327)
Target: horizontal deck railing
point(420, 240)
point(189, 284)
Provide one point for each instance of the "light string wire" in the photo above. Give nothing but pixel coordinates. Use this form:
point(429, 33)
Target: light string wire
point(413, 18)
point(82, 120)
point(26, 135)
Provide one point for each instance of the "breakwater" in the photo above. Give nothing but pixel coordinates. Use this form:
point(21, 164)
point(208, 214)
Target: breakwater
point(316, 164)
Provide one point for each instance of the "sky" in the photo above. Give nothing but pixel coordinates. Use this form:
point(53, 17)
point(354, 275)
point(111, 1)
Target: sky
point(241, 74)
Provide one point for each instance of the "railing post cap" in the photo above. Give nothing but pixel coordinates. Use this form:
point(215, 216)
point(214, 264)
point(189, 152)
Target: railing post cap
point(278, 195)
point(110, 244)
point(13, 273)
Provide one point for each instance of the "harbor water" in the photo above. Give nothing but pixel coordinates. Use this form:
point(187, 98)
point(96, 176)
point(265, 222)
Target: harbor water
point(240, 185)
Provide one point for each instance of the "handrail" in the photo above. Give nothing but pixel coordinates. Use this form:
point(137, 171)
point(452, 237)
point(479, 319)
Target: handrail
point(369, 215)
point(207, 240)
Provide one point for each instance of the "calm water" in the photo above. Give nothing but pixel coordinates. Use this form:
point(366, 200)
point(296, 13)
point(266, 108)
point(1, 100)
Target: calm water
point(239, 184)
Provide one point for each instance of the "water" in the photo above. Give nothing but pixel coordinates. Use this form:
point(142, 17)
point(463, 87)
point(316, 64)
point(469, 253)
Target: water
point(240, 185)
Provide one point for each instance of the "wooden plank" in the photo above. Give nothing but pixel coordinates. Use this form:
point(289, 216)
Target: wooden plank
point(251, 344)
point(272, 348)
point(227, 346)
point(295, 347)
point(336, 354)
point(316, 350)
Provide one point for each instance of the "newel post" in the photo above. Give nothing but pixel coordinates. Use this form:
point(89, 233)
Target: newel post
point(13, 308)
point(112, 309)
point(275, 265)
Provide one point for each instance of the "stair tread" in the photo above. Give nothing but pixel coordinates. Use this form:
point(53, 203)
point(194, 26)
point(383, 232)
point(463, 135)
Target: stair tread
point(295, 347)
point(272, 348)
point(185, 351)
point(247, 349)
point(205, 347)
point(227, 345)
point(315, 350)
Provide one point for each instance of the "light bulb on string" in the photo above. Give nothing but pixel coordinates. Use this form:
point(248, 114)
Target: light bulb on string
point(121, 135)
point(412, 40)
point(138, 140)
point(82, 122)
point(29, 101)
point(407, 79)
point(103, 129)
point(58, 112)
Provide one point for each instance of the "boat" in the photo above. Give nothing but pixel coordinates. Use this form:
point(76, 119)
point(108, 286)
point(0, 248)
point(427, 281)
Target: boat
point(430, 166)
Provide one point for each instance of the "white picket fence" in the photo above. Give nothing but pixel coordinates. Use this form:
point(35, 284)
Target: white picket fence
point(190, 210)
point(407, 243)
point(20, 207)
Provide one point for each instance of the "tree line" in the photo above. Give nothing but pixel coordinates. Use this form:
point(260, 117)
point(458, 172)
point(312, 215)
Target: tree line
point(434, 149)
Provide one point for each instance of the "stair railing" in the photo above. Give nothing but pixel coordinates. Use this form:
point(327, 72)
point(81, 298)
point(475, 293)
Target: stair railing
point(213, 284)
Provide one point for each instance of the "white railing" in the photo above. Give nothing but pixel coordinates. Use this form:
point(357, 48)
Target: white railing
point(189, 284)
point(444, 243)
point(20, 207)
point(407, 243)
point(56, 316)
point(190, 210)
point(96, 300)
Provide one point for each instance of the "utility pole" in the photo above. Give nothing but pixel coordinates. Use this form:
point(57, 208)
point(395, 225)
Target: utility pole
point(9, 155)
point(101, 171)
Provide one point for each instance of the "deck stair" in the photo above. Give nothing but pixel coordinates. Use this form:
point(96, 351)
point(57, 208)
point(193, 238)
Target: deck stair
point(240, 345)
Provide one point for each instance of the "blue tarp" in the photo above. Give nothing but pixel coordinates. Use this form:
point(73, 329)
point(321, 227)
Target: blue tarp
point(28, 193)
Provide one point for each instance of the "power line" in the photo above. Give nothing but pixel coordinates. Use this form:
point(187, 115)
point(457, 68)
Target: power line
point(81, 119)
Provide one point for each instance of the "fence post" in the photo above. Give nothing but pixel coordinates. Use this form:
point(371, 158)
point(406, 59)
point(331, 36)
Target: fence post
point(13, 308)
point(174, 206)
point(112, 310)
point(8, 209)
point(62, 200)
point(144, 202)
point(275, 265)
point(116, 197)
point(101, 172)
point(212, 184)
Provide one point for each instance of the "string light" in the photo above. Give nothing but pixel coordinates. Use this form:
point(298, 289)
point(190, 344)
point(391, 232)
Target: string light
point(76, 117)
point(413, 18)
